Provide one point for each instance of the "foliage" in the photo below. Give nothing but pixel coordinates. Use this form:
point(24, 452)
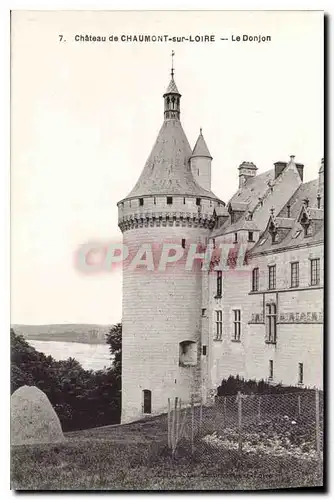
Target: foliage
point(81, 398)
point(232, 385)
point(114, 340)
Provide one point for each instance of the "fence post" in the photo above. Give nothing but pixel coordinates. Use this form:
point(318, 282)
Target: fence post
point(239, 398)
point(173, 438)
point(178, 409)
point(168, 425)
point(317, 422)
point(259, 409)
point(299, 407)
point(192, 425)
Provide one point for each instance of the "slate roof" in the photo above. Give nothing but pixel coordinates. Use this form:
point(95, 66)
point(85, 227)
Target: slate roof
point(172, 88)
point(296, 235)
point(246, 199)
point(167, 170)
point(254, 187)
point(201, 148)
point(242, 225)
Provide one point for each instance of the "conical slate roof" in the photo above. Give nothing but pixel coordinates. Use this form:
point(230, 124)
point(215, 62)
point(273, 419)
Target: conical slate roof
point(167, 170)
point(201, 149)
point(172, 88)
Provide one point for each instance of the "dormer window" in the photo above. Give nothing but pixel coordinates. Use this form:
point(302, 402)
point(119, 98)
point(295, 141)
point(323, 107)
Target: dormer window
point(169, 200)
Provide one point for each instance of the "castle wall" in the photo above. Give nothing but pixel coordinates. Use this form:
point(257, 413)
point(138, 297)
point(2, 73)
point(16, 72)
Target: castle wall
point(160, 310)
point(299, 322)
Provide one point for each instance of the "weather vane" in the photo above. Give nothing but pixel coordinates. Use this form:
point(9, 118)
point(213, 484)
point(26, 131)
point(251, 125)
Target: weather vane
point(173, 54)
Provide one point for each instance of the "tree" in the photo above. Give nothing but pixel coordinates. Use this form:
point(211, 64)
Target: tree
point(114, 340)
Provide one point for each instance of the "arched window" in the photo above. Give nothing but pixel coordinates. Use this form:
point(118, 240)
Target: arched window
point(147, 401)
point(188, 353)
point(271, 323)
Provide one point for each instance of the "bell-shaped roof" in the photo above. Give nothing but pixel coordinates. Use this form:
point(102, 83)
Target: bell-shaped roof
point(167, 170)
point(201, 149)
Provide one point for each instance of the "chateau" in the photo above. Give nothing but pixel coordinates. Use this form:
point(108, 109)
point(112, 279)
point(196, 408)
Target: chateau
point(255, 311)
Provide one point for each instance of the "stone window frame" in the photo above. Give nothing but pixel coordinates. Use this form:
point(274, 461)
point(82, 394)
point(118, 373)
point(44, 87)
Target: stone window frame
point(300, 373)
point(271, 322)
point(315, 273)
point(294, 274)
point(255, 279)
point(219, 324)
point(236, 325)
point(219, 284)
point(272, 277)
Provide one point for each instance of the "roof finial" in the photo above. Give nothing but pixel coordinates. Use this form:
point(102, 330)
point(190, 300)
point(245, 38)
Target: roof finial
point(172, 71)
point(200, 130)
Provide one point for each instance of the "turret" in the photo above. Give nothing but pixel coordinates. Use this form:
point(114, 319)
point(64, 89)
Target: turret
point(200, 162)
point(161, 345)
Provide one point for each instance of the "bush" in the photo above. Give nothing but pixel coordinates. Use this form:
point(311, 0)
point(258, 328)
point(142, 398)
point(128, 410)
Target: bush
point(231, 386)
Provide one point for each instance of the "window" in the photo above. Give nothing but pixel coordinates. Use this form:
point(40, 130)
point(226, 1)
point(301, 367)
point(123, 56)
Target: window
point(219, 324)
point(236, 324)
point(300, 373)
point(294, 274)
point(169, 200)
point(255, 279)
point(204, 350)
point(271, 369)
point(198, 171)
point(183, 243)
point(203, 312)
point(271, 323)
point(289, 211)
point(198, 201)
point(188, 353)
point(250, 236)
point(155, 200)
point(272, 277)
point(184, 201)
point(318, 201)
point(219, 283)
point(235, 237)
point(213, 242)
point(141, 202)
point(147, 401)
point(315, 272)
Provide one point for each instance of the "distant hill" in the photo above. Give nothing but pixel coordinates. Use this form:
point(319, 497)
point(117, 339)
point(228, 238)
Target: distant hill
point(87, 334)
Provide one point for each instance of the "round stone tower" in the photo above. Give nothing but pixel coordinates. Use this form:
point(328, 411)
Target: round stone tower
point(161, 340)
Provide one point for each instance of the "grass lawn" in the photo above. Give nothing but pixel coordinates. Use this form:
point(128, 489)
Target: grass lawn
point(135, 457)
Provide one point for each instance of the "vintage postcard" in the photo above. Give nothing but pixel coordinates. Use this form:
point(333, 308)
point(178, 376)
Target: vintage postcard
point(167, 215)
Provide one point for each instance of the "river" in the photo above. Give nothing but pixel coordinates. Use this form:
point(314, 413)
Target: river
point(90, 356)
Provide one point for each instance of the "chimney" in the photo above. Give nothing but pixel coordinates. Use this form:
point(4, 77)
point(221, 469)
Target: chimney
point(279, 167)
point(300, 168)
point(247, 169)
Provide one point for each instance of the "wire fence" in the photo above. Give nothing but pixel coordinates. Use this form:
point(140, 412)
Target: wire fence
point(288, 424)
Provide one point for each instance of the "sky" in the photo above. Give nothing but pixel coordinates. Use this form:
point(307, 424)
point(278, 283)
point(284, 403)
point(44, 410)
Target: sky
point(85, 115)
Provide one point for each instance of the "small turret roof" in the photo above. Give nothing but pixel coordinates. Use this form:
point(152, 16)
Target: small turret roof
point(172, 88)
point(201, 149)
